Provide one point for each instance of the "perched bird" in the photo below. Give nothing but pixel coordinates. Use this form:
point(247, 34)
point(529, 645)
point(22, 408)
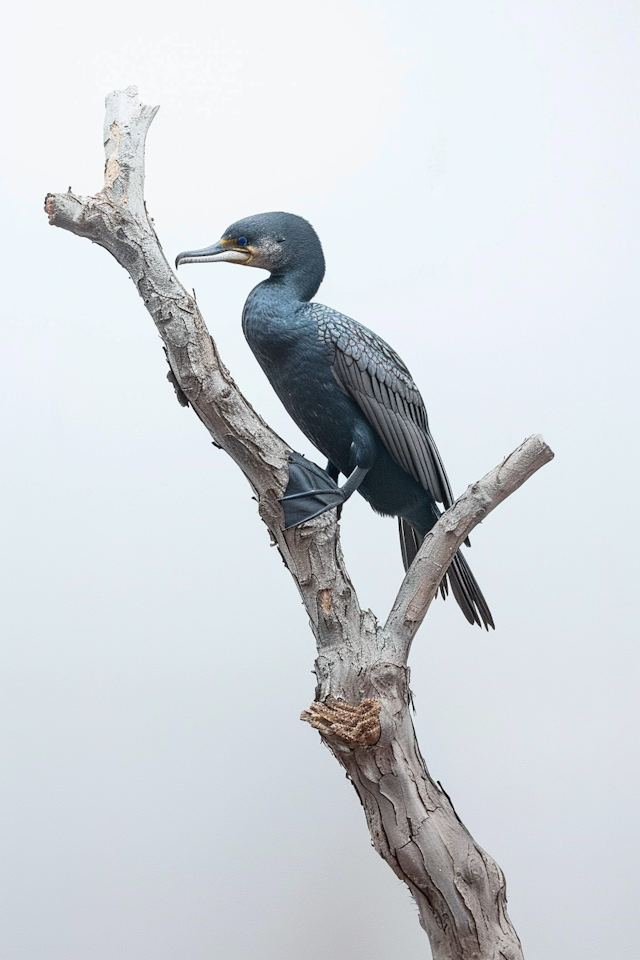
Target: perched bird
point(347, 390)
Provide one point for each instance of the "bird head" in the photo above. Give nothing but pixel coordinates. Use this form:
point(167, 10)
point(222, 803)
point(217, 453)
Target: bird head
point(277, 242)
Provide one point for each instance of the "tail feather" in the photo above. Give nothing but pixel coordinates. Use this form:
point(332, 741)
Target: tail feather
point(410, 542)
point(464, 585)
point(468, 594)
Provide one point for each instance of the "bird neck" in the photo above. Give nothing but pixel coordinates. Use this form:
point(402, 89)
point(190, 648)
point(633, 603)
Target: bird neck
point(300, 282)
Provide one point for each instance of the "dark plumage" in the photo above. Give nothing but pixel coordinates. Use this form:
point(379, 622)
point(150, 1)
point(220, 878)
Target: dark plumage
point(347, 390)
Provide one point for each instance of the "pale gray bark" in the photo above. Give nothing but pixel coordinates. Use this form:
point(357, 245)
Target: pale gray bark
point(362, 697)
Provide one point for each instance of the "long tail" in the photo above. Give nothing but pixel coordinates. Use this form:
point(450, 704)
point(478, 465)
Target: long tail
point(464, 585)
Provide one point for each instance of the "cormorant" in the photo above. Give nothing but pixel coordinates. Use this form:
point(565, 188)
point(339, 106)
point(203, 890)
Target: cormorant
point(347, 390)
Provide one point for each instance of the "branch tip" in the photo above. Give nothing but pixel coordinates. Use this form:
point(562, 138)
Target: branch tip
point(50, 206)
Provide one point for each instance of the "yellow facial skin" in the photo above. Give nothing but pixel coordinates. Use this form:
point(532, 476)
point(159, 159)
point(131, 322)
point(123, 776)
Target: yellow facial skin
point(232, 244)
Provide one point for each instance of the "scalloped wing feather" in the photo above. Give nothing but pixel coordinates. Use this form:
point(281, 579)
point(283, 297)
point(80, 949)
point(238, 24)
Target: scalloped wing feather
point(380, 383)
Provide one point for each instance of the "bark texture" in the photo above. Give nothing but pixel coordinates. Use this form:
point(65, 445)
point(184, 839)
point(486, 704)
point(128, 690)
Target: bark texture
point(362, 698)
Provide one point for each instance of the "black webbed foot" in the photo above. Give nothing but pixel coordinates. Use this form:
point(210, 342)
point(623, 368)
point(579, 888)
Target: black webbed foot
point(310, 492)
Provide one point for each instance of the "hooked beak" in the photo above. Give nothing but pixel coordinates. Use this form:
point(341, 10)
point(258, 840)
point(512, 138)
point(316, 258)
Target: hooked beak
point(219, 251)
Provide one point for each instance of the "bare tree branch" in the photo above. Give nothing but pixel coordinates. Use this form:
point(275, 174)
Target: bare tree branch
point(362, 696)
point(422, 580)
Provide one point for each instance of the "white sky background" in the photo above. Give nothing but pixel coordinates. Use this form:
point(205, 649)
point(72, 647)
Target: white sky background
point(472, 172)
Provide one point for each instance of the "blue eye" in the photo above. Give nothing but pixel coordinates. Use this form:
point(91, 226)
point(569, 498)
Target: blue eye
point(241, 241)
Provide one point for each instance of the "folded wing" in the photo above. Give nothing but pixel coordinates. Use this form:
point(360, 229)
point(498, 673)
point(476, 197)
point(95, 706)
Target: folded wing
point(379, 382)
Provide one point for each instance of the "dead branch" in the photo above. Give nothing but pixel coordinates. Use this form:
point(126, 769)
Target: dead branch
point(362, 697)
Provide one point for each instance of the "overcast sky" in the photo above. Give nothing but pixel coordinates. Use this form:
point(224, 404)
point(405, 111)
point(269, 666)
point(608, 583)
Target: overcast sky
point(472, 170)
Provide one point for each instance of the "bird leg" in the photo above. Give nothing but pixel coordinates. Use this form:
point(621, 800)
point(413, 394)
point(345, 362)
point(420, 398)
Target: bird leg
point(353, 481)
point(311, 491)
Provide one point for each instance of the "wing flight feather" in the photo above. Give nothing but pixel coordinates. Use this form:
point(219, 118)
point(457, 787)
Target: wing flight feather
point(379, 382)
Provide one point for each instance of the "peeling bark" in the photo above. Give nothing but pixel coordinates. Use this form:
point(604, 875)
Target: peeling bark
point(362, 698)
